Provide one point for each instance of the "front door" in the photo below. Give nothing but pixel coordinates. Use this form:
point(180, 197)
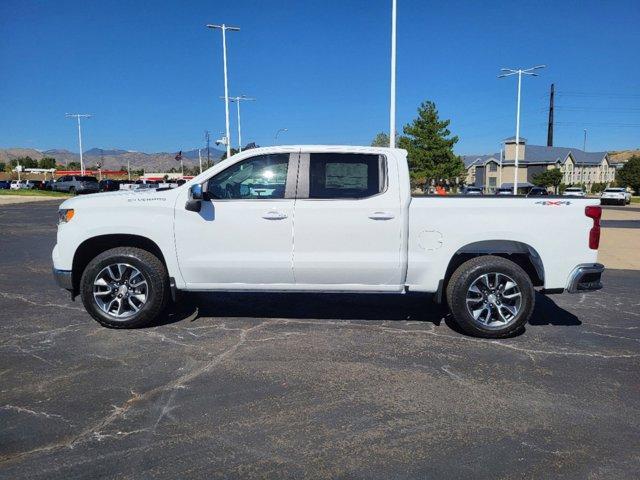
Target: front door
point(348, 223)
point(243, 237)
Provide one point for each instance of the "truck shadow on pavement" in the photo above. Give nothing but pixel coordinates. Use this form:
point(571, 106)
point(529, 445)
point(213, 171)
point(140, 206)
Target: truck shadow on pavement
point(329, 306)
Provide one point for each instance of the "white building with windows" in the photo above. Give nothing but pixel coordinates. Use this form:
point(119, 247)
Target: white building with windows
point(578, 166)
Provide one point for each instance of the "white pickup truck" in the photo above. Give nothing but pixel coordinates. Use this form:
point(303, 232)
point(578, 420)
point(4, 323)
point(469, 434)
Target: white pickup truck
point(323, 219)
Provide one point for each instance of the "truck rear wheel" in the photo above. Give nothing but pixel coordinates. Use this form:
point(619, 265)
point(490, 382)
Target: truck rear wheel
point(124, 287)
point(490, 297)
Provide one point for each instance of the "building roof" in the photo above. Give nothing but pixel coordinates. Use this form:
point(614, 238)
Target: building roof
point(540, 154)
point(543, 154)
point(470, 160)
point(513, 139)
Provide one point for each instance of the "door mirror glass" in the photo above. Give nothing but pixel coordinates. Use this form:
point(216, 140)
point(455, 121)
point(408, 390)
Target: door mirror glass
point(196, 192)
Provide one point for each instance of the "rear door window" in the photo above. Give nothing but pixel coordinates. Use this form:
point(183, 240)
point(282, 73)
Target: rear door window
point(346, 175)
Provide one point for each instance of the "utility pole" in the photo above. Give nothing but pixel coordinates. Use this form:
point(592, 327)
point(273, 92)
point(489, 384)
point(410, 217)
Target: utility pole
point(207, 137)
point(584, 141)
point(237, 101)
point(550, 125)
point(128, 170)
point(200, 160)
point(519, 72)
point(78, 116)
point(224, 29)
point(392, 107)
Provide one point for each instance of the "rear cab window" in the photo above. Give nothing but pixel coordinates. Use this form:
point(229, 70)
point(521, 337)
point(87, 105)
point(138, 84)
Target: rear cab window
point(344, 176)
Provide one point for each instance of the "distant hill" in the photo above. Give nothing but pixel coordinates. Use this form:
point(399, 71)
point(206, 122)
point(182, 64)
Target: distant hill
point(623, 155)
point(113, 158)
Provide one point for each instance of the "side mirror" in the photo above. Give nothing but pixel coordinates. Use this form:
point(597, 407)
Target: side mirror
point(194, 203)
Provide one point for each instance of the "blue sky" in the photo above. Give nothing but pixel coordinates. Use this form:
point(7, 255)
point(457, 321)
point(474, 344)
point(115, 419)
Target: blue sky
point(151, 73)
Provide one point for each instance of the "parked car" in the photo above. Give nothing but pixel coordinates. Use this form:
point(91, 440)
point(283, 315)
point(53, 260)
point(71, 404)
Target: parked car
point(5, 184)
point(48, 184)
point(357, 229)
point(109, 185)
point(35, 185)
point(16, 184)
point(76, 184)
point(504, 191)
point(617, 196)
point(472, 191)
point(574, 192)
point(537, 191)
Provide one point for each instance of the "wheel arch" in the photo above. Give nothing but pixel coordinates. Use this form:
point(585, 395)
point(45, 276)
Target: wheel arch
point(520, 253)
point(94, 246)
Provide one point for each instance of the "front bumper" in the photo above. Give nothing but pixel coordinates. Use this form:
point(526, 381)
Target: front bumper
point(63, 279)
point(585, 277)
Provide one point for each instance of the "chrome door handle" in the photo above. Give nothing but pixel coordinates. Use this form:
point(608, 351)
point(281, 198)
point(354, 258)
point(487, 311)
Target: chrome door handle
point(274, 215)
point(381, 216)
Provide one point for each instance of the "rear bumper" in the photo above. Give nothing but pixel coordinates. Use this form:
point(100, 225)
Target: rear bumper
point(585, 277)
point(63, 279)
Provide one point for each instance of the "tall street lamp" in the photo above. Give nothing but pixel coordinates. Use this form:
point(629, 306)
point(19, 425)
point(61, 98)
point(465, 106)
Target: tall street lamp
point(237, 101)
point(507, 73)
point(275, 138)
point(392, 106)
point(224, 29)
point(78, 116)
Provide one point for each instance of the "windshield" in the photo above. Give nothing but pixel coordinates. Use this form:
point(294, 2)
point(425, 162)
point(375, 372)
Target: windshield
point(87, 179)
point(614, 190)
point(573, 189)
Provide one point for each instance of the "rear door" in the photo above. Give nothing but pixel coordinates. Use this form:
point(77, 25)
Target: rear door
point(347, 222)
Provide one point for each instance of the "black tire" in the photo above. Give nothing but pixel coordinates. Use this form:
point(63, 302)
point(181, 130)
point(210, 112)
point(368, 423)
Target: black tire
point(72, 190)
point(467, 274)
point(153, 271)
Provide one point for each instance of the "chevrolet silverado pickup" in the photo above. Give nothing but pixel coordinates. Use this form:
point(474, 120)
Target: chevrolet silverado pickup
point(324, 219)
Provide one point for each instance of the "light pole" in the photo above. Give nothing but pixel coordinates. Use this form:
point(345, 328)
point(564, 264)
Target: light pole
point(224, 29)
point(500, 173)
point(519, 72)
point(275, 138)
point(584, 141)
point(392, 106)
point(237, 101)
point(78, 116)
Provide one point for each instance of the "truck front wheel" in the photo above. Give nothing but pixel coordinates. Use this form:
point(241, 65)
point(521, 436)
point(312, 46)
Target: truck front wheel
point(124, 287)
point(490, 297)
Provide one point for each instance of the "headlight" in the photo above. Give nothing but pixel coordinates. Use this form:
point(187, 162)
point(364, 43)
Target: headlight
point(65, 215)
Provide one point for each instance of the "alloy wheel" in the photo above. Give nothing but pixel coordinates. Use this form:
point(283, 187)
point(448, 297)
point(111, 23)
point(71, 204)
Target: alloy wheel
point(120, 290)
point(494, 300)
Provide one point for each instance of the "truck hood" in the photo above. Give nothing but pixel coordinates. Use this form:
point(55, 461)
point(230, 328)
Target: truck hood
point(120, 198)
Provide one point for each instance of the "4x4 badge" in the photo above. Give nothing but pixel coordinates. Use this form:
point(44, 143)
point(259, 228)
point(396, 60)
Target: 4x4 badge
point(555, 203)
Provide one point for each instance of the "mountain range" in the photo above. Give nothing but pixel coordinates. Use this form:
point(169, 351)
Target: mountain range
point(114, 158)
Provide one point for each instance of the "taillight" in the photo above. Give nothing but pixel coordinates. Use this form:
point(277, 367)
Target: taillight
point(594, 212)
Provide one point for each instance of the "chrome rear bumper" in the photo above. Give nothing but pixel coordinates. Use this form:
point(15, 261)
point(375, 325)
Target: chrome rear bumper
point(585, 277)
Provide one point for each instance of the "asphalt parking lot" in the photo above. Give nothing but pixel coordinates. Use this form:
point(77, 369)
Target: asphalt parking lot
point(309, 386)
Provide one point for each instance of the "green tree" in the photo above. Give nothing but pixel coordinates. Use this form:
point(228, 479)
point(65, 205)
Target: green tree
point(2, 166)
point(26, 162)
point(47, 162)
point(380, 140)
point(430, 147)
point(549, 178)
point(629, 174)
point(73, 166)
